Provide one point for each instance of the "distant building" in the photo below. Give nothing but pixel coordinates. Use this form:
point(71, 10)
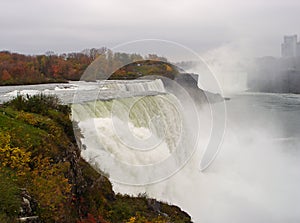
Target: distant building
point(298, 50)
point(277, 75)
point(290, 47)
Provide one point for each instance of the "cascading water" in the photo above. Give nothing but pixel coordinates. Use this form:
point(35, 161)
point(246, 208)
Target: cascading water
point(133, 85)
point(255, 177)
point(138, 134)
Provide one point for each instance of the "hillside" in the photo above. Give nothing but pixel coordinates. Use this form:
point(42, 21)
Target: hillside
point(42, 173)
point(145, 68)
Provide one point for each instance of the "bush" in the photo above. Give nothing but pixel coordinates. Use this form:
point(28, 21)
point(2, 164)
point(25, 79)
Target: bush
point(45, 105)
point(40, 104)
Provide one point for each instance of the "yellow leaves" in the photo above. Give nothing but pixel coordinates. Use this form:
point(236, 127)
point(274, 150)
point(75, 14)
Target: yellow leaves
point(4, 139)
point(132, 220)
point(28, 118)
point(14, 158)
point(141, 219)
point(168, 68)
point(37, 121)
point(49, 184)
point(51, 188)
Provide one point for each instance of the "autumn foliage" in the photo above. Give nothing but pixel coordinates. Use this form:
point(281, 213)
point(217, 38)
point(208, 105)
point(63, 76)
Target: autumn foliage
point(32, 69)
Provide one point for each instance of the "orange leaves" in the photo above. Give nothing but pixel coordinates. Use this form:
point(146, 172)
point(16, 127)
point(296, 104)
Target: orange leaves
point(6, 76)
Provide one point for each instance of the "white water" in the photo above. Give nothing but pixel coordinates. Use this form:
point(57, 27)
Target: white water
point(255, 177)
point(79, 91)
point(132, 85)
point(136, 140)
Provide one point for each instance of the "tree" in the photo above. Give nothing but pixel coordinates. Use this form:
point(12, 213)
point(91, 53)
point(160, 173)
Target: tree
point(6, 76)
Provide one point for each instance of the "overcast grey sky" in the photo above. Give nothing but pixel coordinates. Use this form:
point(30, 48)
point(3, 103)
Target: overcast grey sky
point(36, 26)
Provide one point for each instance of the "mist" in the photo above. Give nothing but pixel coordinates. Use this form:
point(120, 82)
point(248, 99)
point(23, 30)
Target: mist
point(228, 65)
point(255, 177)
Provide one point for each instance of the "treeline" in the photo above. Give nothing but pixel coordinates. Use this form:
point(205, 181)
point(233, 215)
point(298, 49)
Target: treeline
point(33, 69)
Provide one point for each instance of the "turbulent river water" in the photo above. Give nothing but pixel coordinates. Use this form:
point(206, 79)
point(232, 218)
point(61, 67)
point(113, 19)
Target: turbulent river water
point(254, 178)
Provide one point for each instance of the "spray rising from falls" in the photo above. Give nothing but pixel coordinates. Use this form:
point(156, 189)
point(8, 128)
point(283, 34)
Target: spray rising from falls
point(255, 177)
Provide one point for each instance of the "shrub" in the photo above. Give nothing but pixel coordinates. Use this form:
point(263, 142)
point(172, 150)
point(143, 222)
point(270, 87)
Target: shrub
point(40, 104)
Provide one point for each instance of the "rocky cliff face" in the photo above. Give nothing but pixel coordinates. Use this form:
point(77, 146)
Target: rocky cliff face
point(190, 82)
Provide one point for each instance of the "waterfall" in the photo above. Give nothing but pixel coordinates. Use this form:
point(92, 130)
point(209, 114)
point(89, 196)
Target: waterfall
point(135, 136)
point(142, 138)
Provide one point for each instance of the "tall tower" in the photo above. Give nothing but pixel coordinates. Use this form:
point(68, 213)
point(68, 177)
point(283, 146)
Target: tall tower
point(289, 46)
